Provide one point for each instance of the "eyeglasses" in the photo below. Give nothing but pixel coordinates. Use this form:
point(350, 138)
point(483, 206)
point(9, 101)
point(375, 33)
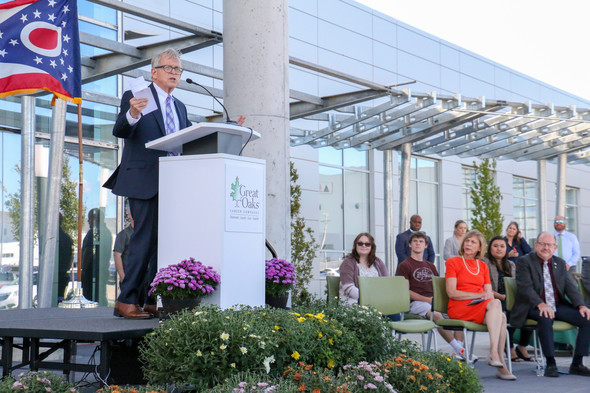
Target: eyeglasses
point(171, 70)
point(546, 245)
point(361, 244)
point(559, 221)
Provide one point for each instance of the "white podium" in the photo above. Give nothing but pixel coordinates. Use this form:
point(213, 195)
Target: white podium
point(212, 207)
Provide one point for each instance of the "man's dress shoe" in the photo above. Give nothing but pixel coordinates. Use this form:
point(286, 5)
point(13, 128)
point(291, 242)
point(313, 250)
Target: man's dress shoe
point(551, 371)
point(580, 370)
point(130, 311)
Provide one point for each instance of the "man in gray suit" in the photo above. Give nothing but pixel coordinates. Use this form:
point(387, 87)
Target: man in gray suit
point(544, 287)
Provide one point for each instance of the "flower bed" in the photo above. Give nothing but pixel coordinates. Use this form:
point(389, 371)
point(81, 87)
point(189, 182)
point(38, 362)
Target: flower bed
point(317, 348)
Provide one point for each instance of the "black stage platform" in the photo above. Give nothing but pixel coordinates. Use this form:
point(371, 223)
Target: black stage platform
point(60, 328)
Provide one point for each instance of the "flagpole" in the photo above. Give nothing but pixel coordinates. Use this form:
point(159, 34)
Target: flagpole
point(79, 301)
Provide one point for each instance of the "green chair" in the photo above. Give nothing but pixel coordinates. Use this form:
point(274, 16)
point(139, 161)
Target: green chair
point(582, 289)
point(333, 287)
point(558, 326)
point(440, 301)
point(391, 295)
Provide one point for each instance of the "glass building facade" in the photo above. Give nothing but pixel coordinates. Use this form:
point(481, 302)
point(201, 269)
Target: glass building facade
point(343, 190)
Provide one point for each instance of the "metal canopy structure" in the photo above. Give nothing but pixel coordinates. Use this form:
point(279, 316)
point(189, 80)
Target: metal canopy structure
point(454, 125)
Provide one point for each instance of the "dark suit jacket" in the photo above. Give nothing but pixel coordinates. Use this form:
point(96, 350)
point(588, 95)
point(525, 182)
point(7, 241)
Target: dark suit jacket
point(586, 277)
point(137, 174)
point(529, 283)
point(402, 248)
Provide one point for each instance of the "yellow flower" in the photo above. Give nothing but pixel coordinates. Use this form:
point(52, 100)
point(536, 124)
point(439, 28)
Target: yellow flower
point(320, 335)
point(331, 341)
point(232, 365)
point(222, 347)
point(330, 363)
point(448, 359)
point(224, 336)
point(295, 355)
point(276, 327)
point(300, 319)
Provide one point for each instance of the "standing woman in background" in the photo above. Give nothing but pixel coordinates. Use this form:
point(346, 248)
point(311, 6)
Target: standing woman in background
point(515, 242)
point(453, 243)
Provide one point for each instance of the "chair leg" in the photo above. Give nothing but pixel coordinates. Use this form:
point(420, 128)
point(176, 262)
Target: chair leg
point(508, 351)
point(471, 350)
point(423, 343)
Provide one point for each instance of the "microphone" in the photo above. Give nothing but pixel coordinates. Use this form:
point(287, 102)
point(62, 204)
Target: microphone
point(227, 119)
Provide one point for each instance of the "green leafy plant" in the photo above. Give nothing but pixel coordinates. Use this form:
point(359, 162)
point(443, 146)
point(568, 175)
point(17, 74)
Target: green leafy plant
point(303, 244)
point(486, 197)
point(202, 347)
point(460, 377)
point(37, 382)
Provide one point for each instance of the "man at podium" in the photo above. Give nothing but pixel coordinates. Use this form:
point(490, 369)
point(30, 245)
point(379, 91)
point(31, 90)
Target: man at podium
point(143, 118)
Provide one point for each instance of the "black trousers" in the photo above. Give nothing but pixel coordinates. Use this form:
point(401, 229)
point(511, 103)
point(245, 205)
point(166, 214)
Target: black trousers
point(142, 260)
point(565, 313)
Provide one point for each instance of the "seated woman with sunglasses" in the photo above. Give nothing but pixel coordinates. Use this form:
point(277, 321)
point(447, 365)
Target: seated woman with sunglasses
point(360, 262)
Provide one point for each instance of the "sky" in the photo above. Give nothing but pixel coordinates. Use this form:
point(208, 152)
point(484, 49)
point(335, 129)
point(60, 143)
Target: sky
point(545, 39)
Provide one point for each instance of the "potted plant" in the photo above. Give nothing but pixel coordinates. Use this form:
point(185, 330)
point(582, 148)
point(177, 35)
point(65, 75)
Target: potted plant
point(280, 278)
point(184, 284)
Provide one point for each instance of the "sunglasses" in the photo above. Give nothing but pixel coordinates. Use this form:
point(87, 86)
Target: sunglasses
point(559, 221)
point(361, 244)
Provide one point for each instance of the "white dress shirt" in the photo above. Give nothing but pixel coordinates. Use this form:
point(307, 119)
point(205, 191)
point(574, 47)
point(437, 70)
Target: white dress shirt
point(570, 247)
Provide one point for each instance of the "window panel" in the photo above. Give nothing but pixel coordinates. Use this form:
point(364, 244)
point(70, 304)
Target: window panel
point(356, 205)
point(525, 206)
point(331, 207)
point(329, 155)
point(355, 159)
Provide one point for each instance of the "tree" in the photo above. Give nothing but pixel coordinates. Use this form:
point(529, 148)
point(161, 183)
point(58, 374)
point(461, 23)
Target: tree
point(486, 197)
point(303, 244)
point(68, 205)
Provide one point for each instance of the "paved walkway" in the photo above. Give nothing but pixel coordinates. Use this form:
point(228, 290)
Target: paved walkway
point(528, 381)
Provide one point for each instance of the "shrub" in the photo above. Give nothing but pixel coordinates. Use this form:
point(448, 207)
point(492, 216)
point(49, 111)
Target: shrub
point(369, 326)
point(461, 377)
point(254, 383)
point(205, 345)
point(37, 382)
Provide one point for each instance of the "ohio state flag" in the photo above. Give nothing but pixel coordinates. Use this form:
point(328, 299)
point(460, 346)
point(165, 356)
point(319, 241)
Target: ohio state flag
point(40, 48)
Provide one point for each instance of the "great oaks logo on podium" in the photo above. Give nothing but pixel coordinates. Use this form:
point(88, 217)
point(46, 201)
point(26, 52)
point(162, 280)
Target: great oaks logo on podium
point(244, 199)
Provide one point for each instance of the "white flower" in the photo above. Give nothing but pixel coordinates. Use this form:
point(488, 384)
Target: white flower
point(199, 353)
point(244, 350)
point(232, 365)
point(224, 336)
point(267, 361)
point(262, 344)
point(222, 347)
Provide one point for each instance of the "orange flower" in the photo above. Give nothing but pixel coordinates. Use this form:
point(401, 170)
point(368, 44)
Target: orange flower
point(429, 376)
point(308, 367)
point(437, 375)
point(415, 363)
point(287, 371)
point(422, 387)
point(316, 390)
point(398, 365)
point(298, 376)
point(302, 387)
point(399, 359)
point(413, 378)
point(423, 367)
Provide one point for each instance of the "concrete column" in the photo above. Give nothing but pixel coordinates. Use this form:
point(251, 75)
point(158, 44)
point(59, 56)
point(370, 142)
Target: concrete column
point(561, 167)
point(404, 200)
point(542, 191)
point(256, 85)
point(49, 248)
point(27, 208)
point(388, 201)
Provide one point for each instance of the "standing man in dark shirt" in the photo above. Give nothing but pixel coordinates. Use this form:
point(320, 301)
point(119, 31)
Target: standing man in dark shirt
point(121, 250)
point(419, 274)
point(543, 288)
point(402, 242)
point(137, 176)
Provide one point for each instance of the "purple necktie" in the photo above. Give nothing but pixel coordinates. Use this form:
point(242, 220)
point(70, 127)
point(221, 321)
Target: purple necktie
point(169, 117)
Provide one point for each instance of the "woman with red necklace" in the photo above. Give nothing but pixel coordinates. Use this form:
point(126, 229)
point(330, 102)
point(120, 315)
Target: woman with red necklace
point(468, 282)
